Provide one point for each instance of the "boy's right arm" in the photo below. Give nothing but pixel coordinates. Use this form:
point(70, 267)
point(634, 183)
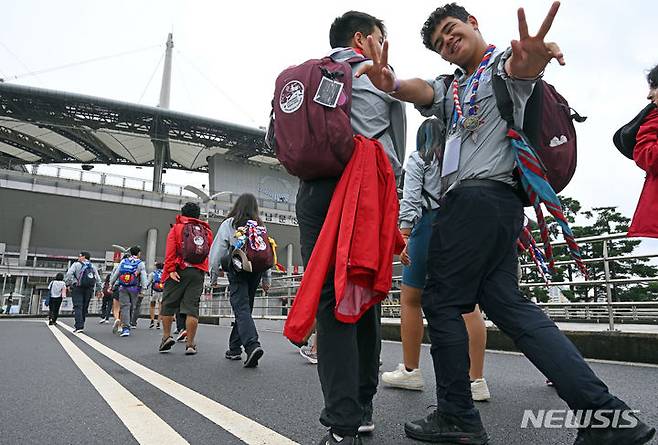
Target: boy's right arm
point(114, 276)
point(416, 91)
point(69, 278)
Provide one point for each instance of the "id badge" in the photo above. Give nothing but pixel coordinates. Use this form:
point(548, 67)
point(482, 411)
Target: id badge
point(451, 154)
point(328, 92)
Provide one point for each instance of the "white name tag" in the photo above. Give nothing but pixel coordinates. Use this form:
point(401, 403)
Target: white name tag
point(328, 92)
point(451, 154)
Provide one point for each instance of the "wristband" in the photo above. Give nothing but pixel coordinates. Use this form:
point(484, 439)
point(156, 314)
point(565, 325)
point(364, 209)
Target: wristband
point(396, 86)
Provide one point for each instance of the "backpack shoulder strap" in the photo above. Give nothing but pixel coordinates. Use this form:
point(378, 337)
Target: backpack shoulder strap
point(503, 98)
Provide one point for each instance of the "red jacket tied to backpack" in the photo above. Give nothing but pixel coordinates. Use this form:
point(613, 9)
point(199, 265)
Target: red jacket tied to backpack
point(358, 238)
point(645, 154)
point(175, 245)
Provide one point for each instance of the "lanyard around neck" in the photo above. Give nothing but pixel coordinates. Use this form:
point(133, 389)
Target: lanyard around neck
point(458, 114)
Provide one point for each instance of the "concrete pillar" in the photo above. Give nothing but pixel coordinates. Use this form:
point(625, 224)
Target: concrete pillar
point(289, 258)
point(151, 245)
point(25, 241)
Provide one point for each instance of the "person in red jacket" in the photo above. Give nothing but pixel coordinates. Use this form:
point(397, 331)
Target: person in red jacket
point(645, 155)
point(186, 263)
point(348, 352)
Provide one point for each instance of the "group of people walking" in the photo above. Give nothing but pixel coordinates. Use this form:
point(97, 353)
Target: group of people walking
point(460, 216)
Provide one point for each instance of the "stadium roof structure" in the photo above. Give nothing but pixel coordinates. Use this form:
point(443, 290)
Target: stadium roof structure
point(46, 126)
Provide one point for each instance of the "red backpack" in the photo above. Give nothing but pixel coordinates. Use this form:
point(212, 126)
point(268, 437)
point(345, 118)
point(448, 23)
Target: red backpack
point(310, 129)
point(195, 244)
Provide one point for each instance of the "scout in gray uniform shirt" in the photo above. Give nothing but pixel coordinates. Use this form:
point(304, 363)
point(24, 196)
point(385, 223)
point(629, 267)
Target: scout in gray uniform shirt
point(81, 296)
point(472, 258)
point(348, 367)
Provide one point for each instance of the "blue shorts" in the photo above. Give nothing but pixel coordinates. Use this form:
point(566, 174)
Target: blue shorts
point(418, 245)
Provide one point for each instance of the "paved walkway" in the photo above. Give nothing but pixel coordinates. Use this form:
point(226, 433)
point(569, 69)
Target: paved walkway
point(97, 388)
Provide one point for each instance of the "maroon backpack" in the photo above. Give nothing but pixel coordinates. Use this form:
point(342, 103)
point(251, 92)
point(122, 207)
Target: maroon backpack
point(310, 129)
point(195, 244)
point(548, 126)
point(257, 246)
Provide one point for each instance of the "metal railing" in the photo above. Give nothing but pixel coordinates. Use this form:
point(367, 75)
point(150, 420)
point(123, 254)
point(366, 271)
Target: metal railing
point(111, 179)
point(102, 179)
point(276, 303)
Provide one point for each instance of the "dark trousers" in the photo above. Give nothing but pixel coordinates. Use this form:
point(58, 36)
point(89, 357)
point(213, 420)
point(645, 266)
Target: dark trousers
point(348, 354)
point(81, 297)
point(106, 307)
point(53, 308)
point(136, 309)
point(242, 289)
point(473, 259)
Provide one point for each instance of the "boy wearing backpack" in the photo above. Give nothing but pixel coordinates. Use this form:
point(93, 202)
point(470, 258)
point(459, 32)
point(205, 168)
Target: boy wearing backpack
point(83, 279)
point(185, 266)
point(348, 353)
point(472, 254)
point(132, 279)
point(156, 282)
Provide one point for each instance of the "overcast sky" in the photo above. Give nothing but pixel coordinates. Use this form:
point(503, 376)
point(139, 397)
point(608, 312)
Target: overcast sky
point(227, 55)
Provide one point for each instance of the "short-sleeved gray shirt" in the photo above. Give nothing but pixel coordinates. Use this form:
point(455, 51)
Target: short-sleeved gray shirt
point(489, 155)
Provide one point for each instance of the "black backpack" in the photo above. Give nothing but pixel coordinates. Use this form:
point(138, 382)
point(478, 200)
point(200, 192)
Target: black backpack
point(87, 278)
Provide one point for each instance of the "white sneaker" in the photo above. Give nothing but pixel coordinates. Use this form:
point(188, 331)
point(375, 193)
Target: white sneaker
point(116, 327)
point(401, 378)
point(480, 390)
point(308, 354)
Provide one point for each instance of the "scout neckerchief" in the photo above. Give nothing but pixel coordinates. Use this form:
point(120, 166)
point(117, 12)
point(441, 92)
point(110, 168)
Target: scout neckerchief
point(535, 184)
point(472, 121)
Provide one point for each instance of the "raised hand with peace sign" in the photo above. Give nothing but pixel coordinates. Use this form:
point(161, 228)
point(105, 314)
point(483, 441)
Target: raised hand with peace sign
point(530, 54)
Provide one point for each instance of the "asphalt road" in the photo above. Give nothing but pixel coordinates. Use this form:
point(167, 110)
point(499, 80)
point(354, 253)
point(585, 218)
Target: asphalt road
point(46, 398)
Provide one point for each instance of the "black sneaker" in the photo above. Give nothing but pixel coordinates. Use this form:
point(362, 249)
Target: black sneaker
point(367, 425)
point(253, 357)
point(330, 439)
point(166, 344)
point(151, 325)
point(640, 434)
point(233, 355)
point(443, 428)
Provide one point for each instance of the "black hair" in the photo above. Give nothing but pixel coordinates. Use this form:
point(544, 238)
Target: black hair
point(429, 139)
point(344, 27)
point(159, 266)
point(245, 208)
point(191, 210)
point(85, 254)
point(652, 77)
point(440, 13)
point(59, 276)
point(134, 250)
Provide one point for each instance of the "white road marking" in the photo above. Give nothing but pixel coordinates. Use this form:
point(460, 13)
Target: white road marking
point(143, 424)
point(242, 427)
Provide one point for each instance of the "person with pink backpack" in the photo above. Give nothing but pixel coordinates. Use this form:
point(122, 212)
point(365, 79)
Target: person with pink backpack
point(243, 250)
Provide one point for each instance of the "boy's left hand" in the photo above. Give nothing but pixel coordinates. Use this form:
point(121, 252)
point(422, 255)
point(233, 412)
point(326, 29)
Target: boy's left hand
point(530, 54)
